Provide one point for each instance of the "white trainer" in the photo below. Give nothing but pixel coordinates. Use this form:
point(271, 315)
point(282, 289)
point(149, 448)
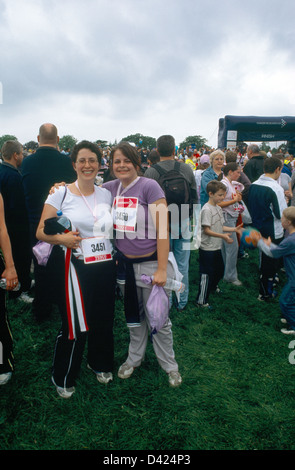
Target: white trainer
point(102, 377)
point(288, 332)
point(125, 371)
point(174, 378)
point(64, 392)
point(4, 378)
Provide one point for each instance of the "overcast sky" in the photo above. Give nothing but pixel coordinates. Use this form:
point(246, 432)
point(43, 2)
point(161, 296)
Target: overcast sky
point(105, 69)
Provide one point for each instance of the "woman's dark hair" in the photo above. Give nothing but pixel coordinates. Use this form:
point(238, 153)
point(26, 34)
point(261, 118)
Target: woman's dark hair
point(129, 151)
point(85, 144)
point(231, 166)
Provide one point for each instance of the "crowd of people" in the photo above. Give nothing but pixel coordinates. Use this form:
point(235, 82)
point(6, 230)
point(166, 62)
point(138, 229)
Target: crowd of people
point(76, 226)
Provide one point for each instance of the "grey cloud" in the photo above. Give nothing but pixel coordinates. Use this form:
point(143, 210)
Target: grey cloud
point(136, 55)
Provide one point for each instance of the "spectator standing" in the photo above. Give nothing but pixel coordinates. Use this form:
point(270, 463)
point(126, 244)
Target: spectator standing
point(16, 217)
point(231, 156)
point(287, 167)
point(254, 167)
point(204, 163)
point(180, 233)
point(212, 228)
point(189, 161)
point(230, 207)
point(153, 157)
point(285, 249)
point(214, 172)
point(292, 202)
point(266, 204)
point(40, 171)
point(285, 178)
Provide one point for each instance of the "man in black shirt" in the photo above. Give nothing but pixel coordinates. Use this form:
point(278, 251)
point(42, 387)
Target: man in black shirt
point(40, 171)
point(254, 167)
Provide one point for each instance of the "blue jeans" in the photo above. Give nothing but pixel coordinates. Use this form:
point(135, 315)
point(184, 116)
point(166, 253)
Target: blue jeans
point(287, 303)
point(182, 257)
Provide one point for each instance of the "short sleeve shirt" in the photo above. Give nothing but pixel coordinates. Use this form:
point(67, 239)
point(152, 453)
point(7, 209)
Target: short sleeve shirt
point(212, 217)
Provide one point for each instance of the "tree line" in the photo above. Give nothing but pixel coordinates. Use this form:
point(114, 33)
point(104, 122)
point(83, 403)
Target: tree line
point(67, 142)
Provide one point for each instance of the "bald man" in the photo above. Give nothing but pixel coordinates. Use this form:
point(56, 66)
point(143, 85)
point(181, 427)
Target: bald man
point(39, 172)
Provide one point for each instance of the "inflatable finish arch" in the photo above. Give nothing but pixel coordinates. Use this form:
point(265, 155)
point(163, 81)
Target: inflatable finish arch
point(233, 129)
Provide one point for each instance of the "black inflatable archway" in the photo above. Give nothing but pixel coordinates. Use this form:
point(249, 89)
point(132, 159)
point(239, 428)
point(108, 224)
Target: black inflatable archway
point(233, 129)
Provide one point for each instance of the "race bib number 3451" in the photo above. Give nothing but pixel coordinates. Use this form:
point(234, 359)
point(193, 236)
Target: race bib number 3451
point(96, 249)
point(125, 213)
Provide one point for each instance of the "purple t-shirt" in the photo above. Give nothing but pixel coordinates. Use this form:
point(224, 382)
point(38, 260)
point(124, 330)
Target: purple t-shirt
point(143, 240)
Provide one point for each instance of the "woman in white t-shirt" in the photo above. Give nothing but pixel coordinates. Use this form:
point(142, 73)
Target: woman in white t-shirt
point(88, 279)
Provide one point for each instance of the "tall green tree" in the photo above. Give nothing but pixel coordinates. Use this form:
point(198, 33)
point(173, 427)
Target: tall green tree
point(196, 140)
point(141, 141)
point(31, 145)
point(4, 138)
point(67, 142)
point(101, 143)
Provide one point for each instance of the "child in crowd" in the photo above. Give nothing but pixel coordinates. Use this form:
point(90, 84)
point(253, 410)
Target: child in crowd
point(285, 249)
point(211, 226)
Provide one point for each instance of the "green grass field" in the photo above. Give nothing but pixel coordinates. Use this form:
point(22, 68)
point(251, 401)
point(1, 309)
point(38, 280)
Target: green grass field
point(237, 391)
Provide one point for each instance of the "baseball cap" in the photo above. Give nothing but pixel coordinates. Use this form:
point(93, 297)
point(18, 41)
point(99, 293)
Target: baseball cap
point(204, 159)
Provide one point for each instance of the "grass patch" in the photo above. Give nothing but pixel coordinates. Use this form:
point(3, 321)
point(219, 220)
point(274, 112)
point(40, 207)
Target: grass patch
point(237, 391)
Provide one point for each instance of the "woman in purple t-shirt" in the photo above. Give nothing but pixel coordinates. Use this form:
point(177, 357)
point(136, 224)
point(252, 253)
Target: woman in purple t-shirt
point(142, 242)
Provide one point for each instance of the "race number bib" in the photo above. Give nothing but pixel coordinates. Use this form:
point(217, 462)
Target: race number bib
point(125, 213)
point(96, 250)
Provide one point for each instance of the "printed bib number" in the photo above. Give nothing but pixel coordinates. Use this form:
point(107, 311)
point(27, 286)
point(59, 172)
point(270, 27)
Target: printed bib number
point(125, 213)
point(96, 250)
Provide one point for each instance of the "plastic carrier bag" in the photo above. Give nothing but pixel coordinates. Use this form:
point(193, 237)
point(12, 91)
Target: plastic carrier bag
point(157, 306)
point(42, 251)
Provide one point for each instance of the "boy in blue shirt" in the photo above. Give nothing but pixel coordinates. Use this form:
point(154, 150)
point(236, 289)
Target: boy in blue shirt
point(285, 249)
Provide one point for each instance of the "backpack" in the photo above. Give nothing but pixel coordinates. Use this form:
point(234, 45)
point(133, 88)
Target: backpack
point(175, 186)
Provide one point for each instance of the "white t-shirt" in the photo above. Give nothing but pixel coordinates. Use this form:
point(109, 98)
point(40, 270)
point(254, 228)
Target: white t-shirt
point(91, 218)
